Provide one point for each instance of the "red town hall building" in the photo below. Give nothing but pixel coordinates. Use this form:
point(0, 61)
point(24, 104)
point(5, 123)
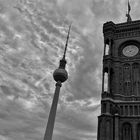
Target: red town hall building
point(120, 102)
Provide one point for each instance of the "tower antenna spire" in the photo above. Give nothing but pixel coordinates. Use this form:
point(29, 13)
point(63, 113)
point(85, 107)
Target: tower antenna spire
point(128, 13)
point(66, 45)
point(60, 75)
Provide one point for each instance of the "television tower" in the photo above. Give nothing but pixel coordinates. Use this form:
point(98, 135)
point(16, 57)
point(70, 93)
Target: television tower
point(60, 75)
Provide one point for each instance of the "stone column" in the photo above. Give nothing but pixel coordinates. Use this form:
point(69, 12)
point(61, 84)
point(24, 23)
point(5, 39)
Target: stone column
point(104, 48)
point(134, 131)
point(109, 53)
point(116, 127)
point(108, 81)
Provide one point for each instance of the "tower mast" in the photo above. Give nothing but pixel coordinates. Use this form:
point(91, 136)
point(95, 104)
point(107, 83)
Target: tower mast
point(60, 75)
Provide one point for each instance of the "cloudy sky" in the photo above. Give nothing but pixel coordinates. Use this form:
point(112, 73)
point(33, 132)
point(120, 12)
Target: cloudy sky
point(32, 38)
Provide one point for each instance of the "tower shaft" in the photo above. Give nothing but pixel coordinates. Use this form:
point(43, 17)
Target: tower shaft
point(51, 119)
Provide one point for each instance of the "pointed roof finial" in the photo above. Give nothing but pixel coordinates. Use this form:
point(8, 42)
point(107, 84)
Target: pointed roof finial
point(128, 13)
point(67, 42)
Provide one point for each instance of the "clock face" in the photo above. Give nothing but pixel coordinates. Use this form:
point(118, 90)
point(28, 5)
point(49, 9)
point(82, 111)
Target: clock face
point(130, 50)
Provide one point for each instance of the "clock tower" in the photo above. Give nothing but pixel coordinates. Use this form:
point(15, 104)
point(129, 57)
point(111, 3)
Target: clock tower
point(120, 99)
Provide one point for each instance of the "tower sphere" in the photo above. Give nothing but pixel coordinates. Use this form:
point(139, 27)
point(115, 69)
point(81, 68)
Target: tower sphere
point(60, 74)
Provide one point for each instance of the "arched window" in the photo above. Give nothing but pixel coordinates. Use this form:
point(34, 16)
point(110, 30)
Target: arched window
point(107, 47)
point(138, 131)
point(121, 110)
point(127, 131)
point(121, 80)
point(127, 79)
point(126, 110)
point(105, 81)
point(136, 79)
point(131, 110)
point(135, 110)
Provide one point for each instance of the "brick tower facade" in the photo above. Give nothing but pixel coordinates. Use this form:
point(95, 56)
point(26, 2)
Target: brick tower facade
point(120, 101)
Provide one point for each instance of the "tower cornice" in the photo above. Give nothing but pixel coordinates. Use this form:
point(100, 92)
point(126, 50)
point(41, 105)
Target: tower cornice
point(121, 30)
